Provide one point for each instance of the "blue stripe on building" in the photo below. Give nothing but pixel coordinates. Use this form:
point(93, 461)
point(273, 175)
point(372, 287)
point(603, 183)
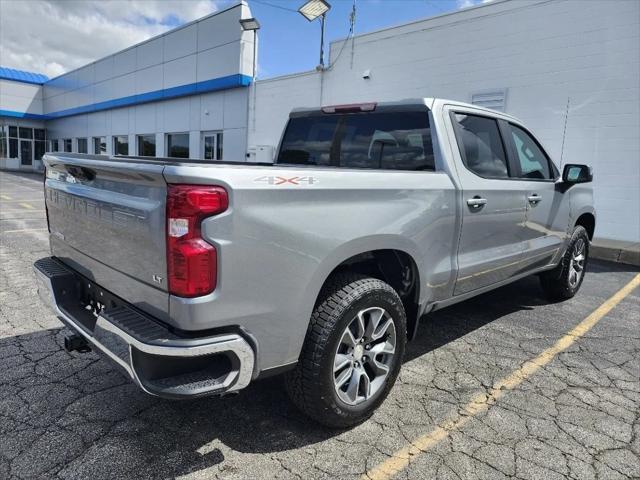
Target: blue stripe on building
point(222, 83)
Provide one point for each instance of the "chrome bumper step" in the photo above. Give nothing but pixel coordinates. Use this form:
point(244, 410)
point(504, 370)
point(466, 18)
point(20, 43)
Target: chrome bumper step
point(159, 361)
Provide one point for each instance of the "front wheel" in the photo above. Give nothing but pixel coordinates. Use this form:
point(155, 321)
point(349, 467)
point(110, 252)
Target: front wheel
point(352, 353)
point(564, 281)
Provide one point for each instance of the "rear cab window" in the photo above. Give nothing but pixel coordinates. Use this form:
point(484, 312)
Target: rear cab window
point(384, 140)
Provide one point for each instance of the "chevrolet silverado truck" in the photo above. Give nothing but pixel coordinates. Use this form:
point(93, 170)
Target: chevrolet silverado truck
point(198, 278)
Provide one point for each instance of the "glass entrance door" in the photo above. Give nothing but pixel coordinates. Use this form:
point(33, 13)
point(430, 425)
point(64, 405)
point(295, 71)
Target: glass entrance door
point(211, 146)
point(26, 152)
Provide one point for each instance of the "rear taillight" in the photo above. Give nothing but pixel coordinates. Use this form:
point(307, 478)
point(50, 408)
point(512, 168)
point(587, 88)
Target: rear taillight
point(192, 264)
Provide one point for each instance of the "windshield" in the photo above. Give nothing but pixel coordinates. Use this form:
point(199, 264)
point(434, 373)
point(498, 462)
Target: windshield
point(379, 140)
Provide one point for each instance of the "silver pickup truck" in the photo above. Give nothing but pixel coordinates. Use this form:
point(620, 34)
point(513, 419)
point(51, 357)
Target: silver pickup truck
point(198, 278)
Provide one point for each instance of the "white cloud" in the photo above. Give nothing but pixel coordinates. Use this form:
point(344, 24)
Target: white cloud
point(471, 3)
point(55, 36)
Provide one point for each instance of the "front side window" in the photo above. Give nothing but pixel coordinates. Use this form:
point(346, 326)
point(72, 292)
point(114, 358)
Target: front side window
point(178, 145)
point(82, 145)
point(67, 145)
point(481, 145)
point(99, 145)
point(121, 145)
point(534, 164)
point(147, 145)
point(378, 140)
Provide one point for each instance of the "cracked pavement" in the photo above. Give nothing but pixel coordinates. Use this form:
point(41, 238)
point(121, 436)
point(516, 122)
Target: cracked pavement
point(75, 416)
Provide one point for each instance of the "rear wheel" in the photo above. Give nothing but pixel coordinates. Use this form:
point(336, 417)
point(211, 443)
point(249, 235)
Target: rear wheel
point(352, 353)
point(564, 281)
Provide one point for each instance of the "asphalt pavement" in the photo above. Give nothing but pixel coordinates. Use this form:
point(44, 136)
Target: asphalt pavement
point(575, 415)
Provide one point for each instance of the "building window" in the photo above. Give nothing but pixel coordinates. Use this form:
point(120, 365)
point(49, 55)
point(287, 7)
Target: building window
point(25, 132)
point(121, 145)
point(99, 145)
point(493, 99)
point(53, 146)
point(67, 144)
point(147, 145)
point(3, 141)
point(13, 148)
point(39, 149)
point(82, 145)
point(39, 134)
point(212, 145)
point(178, 145)
point(13, 142)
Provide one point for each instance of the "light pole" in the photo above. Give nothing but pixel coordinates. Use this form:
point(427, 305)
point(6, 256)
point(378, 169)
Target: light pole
point(252, 25)
point(312, 10)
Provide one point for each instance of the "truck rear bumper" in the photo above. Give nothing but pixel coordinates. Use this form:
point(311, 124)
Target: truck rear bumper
point(159, 361)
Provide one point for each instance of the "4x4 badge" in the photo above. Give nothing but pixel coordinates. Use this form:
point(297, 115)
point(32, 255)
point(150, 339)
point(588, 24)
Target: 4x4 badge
point(275, 180)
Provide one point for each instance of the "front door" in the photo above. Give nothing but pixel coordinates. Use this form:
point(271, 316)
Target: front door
point(493, 212)
point(547, 215)
point(26, 152)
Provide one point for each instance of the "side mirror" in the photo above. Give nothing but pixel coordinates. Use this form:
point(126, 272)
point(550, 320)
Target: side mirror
point(575, 173)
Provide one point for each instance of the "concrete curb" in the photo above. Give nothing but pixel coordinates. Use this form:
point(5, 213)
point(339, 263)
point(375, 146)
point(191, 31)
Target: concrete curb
point(616, 251)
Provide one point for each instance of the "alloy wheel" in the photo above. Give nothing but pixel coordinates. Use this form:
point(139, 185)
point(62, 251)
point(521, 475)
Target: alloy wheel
point(364, 355)
point(576, 265)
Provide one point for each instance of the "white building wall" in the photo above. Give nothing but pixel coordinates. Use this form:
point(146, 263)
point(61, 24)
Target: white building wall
point(160, 81)
point(543, 53)
point(225, 111)
point(20, 97)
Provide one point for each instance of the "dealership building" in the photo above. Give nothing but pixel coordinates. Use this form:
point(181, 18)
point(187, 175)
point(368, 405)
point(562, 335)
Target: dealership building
point(569, 69)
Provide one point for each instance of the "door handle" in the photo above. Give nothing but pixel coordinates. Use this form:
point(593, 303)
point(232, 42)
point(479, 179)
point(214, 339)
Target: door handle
point(476, 202)
point(534, 199)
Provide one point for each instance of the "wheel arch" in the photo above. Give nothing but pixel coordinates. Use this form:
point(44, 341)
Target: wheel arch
point(392, 262)
point(588, 221)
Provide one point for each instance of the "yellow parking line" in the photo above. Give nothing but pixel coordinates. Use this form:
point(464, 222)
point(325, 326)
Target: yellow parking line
point(5, 197)
point(27, 205)
point(481, 402)
point(24, 230)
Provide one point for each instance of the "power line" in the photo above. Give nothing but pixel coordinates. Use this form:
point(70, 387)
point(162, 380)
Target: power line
point(262, 2)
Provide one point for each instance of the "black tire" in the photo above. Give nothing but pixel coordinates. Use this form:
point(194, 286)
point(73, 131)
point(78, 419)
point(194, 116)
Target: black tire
point(557, 284)
point(311, 384)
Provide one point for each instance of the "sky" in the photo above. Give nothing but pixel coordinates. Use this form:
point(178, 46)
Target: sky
point(55, 36)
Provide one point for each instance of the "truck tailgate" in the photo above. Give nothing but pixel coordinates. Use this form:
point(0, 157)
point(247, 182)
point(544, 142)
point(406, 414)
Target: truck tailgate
point(107, 221)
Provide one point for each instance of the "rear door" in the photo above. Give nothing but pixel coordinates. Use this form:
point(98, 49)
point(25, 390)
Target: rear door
point(107, 221)
point(492, 236)
point(547, 215)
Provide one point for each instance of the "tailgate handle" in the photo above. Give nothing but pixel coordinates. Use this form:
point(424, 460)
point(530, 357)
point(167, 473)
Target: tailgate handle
point(81, 173)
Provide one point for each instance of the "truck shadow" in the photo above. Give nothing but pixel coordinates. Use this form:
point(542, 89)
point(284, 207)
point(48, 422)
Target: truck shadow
point(101, 416)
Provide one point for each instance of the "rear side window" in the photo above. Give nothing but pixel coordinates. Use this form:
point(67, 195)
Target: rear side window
point(379, 140)
point(481, 145)
point(534, 163)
